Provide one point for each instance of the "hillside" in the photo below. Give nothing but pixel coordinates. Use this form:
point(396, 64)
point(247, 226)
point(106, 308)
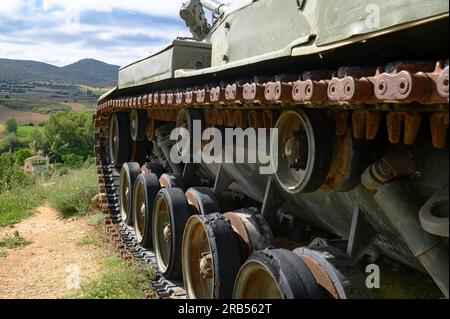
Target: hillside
point(86, 72)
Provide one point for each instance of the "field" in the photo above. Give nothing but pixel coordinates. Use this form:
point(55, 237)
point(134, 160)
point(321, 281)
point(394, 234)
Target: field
point(22, 117)
point(78, 106)
point(32, 105)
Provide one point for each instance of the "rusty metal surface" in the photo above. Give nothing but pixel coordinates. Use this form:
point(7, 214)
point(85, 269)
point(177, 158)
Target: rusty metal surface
point(369, 94)
point(439, 127)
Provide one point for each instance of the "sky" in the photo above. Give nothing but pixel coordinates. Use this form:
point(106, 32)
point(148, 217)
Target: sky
point(61, 32)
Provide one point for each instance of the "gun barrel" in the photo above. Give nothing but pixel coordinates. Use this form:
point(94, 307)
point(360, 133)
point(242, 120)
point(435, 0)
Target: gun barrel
point(213, 5)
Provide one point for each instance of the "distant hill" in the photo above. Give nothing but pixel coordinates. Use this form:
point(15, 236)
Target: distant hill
point(88, 72)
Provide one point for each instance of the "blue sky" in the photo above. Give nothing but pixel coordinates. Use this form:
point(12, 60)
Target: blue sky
point(61, 32)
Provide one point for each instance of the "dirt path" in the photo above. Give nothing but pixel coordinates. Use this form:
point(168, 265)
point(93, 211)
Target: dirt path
point(43, 268)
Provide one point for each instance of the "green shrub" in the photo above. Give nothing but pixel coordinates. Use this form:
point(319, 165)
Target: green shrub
point(71, 193)
point(12, 175)
point(11, 125)
point(70, 137)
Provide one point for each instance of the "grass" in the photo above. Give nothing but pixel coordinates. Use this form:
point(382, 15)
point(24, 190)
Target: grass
point(87, 241)
point(17, 205)
point(97, 220)
point(71, 193)
point(23, 132)
point(119, 280)
point(3, 254)
point(14, 241)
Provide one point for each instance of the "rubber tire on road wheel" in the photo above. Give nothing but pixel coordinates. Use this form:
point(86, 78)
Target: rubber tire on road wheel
point(226, 250)
point(150, 188)
point(128, 175)
point(293, 278)
point(203, 200)
point(172, 181)
point(179, 215)
point(154, 168)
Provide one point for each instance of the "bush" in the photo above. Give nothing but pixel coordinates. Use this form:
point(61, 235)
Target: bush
point(71, 193)
point(11, 125)
point(12, 175)
point(21, 155)
point(70, 137)
point(11, 144)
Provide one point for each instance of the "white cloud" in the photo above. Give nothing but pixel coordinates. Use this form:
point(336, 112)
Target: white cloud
point(155, 7)
point(40, 30)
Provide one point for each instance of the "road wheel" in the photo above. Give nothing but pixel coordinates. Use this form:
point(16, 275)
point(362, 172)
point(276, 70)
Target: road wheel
point(170, 215)
point(128, 176)
point(145, 191)
point(211, 257)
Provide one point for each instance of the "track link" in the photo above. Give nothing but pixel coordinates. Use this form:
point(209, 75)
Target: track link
point(399, 92)
point(124, 238)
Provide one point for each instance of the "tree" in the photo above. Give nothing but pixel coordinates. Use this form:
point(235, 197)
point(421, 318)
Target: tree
point(21, 155)
point(11, 125)
point(70, 133)
point(37, 141)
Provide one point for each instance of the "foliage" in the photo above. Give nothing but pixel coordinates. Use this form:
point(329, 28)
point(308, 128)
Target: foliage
point(3, 254)
point(36, 141)
point(11, 143)
point(21, 155)
point(67, 190)
point(25, 131)
point(11, 174)
point(14, 241)
point(70, 137)
point(16, 205)
point(120, 280)
point(71, 193)
point(11, 125)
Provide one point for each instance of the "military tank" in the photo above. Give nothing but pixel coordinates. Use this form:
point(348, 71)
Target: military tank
point(353, 99)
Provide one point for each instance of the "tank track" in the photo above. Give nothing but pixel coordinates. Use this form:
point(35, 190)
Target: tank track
point(123, 236)
point(401, 93)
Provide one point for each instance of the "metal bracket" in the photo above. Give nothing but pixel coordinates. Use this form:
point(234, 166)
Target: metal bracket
point(223, 180)
point(273, 200)
point(189, 170)
point(361, 235)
